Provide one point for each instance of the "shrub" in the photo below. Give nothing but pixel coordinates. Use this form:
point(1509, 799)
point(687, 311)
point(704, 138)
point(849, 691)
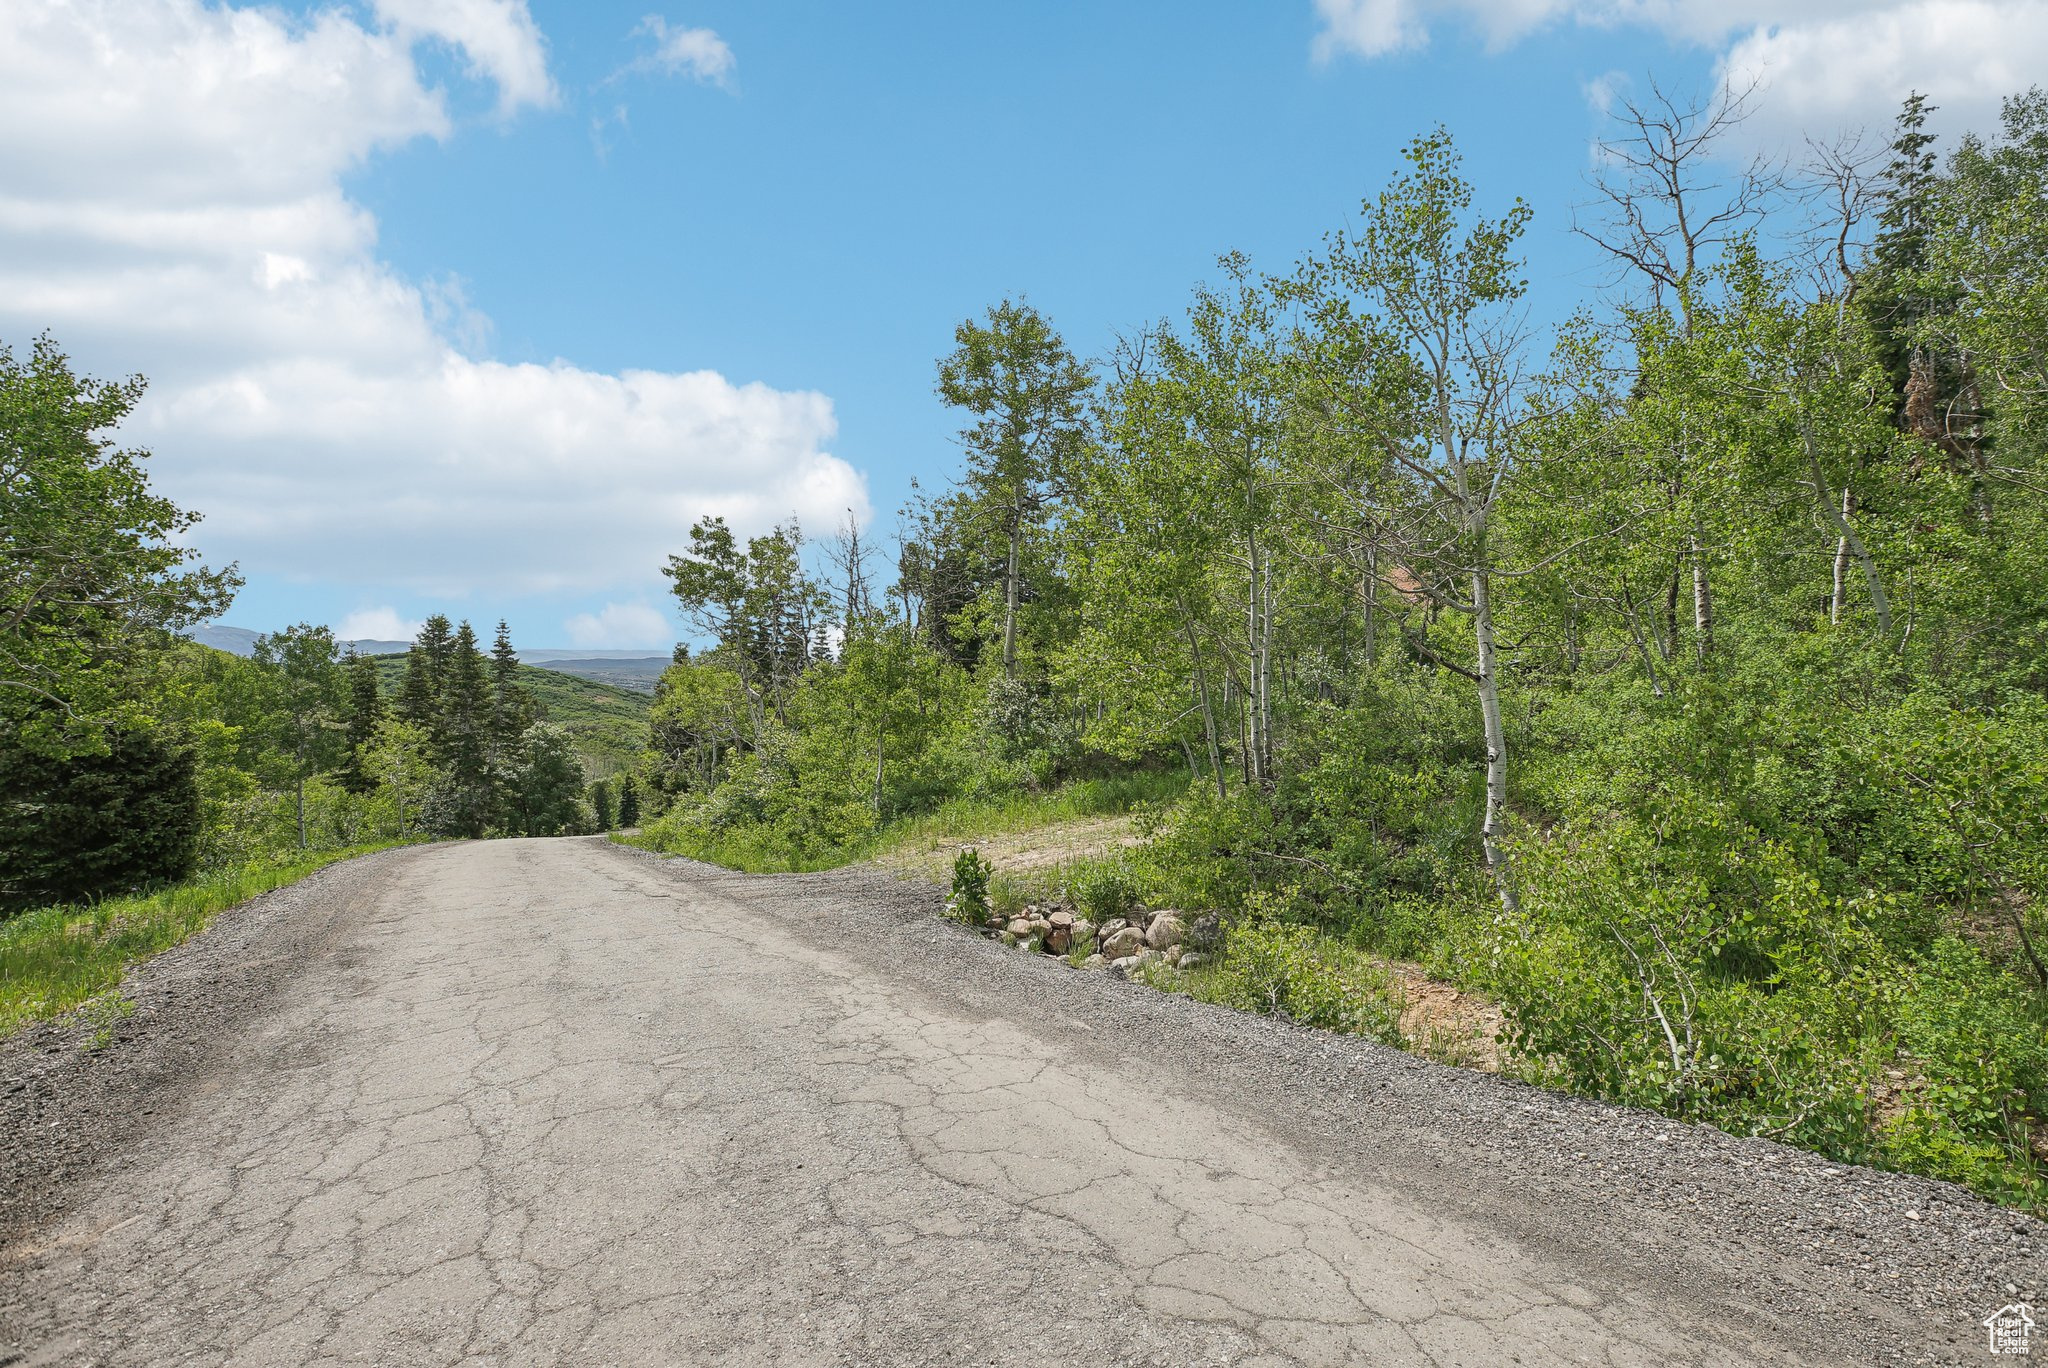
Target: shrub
point(1294, 972)
point(971, 875)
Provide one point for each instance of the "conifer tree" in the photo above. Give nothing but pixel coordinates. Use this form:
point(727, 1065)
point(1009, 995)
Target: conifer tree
point(601, 804)
point(365, 711)
point(514, 709)
point(426, 670)
point(629, 802)
point(469, 804)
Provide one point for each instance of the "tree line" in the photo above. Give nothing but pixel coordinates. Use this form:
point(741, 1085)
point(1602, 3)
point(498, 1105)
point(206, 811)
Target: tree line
point(1674, 676)
point(131, 757)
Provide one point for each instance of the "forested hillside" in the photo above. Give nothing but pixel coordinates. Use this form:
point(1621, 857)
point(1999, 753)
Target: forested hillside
point(1676, 678)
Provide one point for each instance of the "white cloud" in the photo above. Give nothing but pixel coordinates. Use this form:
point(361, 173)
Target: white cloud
point(1815, 65)
point(497, 37)
point(698, 53)
point(376, 624)
point(621, 626)
point(171, 202)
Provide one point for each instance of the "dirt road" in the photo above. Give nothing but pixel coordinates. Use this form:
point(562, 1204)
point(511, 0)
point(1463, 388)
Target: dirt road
point(552, 1102)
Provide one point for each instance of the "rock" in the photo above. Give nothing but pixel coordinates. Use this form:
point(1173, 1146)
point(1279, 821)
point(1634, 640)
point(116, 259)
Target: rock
point(1006, 938)
point(1019, 927)
point(1094, 962)
point(1124, 967)
point(1062, 918)
point(1205, 932)
point(1126, 941)
point(1111, 927)
point(1039, 926)
point(1084, 931)
point(1059, 940)
point(1167, 929)
point(1191, 960)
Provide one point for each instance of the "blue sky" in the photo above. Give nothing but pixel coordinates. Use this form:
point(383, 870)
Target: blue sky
point(472, 305)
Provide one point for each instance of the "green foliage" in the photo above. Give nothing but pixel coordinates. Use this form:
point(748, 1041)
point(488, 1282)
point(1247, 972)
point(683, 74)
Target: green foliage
point(1103, 889)
point(969, 900)
point(1290, 971)
point(93, 572)
point(96, 825)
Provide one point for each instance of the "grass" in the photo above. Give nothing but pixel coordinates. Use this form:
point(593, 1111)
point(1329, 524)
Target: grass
point(57, 958)
point(763, 851)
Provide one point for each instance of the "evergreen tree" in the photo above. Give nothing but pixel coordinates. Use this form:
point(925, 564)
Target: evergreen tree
point(95, 826)
point(514, 709)
point(426, 673)
point(365, 711)
point(629, 802)
point(467, 802)
point(601, 804)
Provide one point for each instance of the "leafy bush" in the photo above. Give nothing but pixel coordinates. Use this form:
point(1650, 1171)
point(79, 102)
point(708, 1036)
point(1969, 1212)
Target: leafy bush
point(1292, 971)
point(971, 875)
point(1103, 889)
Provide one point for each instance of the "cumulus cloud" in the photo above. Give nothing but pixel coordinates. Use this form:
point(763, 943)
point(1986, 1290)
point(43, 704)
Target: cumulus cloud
point(621, 627)
point(376, 624)
point(171, 202)
point(698, 53)
point(1814, 65)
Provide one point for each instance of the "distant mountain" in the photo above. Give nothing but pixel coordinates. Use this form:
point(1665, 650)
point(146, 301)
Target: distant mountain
point(242, 642)
point(638, 673)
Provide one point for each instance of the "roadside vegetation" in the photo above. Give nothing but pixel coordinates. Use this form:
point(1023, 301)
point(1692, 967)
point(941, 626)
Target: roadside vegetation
point(1673, 681)
point(55, 959)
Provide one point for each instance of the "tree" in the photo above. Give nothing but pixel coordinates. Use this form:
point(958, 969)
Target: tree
point(311, 694)
point(601, 804)
point(90, 826)
point(547, 787)
point(400, 757)
point(467, 801)
point(514, 708)
point(1442, 282)
point(629, 802)
point(1026, 393)
point(365, 711)
point(766, 613)
point(91, 569)
point(426, 671)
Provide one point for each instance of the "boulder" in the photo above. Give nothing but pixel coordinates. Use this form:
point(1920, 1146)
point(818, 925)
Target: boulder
point(1062, 918)
point(1084, 931)
point(1110, 928)
point(1192, 960)
point(1166, 930)
point(1123, 968)
point(1019, 927)
point(1059, 940)
point(1094, 962)
point(1205, 932)
point(1039, 926)
point(1124, 942)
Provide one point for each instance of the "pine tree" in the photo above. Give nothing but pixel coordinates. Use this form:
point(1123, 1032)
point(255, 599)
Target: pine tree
point(514, 709)
point(365, 711)
point(629, 802)
point(426, 673)
point(601, 804)
point(469, 797)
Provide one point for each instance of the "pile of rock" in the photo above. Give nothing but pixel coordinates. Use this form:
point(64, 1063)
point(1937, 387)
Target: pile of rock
point(1122, 945)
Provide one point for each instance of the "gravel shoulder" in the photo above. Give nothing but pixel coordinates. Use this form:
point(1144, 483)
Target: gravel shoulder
point(551, 1102)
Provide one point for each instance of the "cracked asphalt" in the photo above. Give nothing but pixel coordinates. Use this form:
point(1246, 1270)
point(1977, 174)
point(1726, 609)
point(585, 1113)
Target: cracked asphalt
point(556, 1102)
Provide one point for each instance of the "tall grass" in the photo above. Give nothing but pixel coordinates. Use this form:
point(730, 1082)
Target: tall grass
point(55, 958)
point(763, 850)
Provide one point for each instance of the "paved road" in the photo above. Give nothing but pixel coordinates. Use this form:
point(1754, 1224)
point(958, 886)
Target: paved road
point(550, 1102)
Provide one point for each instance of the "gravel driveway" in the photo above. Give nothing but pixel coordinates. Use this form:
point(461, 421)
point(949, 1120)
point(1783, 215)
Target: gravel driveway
point(540, 1102)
